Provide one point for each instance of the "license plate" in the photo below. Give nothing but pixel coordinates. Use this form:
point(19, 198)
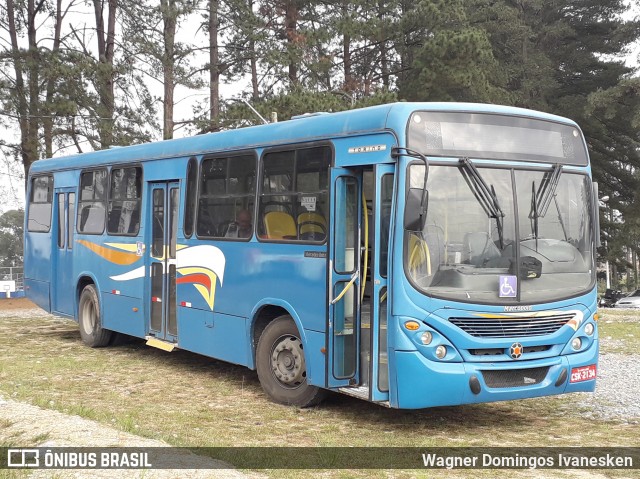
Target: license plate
point(585, 373)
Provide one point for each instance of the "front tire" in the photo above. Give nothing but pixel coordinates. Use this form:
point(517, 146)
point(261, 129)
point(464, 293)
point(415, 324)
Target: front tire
point(91, 330)
point(281, 365)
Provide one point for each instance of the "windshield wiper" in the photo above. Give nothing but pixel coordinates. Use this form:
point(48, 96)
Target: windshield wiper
point(541, 199)
point(485, 194)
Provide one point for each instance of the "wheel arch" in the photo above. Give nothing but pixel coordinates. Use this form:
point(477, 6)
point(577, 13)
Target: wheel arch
point(85, 279)
point(265, 312)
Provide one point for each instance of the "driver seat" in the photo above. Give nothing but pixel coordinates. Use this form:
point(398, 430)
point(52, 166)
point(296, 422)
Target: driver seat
point(478, 248)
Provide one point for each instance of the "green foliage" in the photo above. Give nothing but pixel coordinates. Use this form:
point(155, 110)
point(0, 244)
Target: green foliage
point(11, 237)
point(298, 102)
point(451, 60)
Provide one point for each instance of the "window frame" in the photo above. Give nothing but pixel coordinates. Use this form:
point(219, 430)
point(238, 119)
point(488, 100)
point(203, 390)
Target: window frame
point(50, 196)
point(229, 156)
point(260, 193)
point(194, 162)
point(109, 199)
point(80, 201)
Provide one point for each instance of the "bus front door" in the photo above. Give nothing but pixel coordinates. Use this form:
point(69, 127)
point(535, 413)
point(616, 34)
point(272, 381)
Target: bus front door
point(343, 351)
point(161, 248)
point(374, 308)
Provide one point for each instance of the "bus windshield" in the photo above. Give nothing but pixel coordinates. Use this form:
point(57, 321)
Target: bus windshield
point(529, 240)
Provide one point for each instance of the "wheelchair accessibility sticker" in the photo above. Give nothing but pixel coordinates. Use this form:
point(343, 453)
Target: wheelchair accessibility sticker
point(508, 286)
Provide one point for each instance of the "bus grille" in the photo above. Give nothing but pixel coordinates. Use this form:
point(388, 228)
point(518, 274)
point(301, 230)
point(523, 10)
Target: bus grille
point(510, 378)
point(512, 328)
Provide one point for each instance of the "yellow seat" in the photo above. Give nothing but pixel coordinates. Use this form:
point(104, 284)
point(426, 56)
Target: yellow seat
point(311, 224)
point(279, 225)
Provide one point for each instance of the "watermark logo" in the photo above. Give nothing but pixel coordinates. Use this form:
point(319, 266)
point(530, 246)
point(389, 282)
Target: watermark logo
point(23, 458)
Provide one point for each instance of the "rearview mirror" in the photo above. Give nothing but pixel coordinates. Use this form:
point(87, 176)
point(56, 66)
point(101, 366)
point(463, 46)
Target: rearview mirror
point(415, 215)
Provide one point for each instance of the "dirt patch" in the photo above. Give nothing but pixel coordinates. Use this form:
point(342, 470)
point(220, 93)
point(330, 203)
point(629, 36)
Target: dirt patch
point(16, 303)
point(37, 427)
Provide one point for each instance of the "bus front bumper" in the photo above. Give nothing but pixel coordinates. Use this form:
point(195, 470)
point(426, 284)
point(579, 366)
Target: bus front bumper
point(422, 383)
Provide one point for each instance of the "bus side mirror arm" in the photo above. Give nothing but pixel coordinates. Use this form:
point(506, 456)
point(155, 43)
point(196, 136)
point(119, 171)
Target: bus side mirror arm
point(415, 209)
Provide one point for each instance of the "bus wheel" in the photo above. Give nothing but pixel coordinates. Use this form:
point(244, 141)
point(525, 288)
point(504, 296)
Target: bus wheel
point(281, 365)
point(91, 330)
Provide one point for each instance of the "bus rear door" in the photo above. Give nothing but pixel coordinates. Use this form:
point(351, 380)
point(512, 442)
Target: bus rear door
point(161, 250)
point(62, 251)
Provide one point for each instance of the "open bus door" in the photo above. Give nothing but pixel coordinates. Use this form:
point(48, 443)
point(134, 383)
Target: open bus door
point(357, 332)
point(161, 248)
point(374, 308)
point(343, 345)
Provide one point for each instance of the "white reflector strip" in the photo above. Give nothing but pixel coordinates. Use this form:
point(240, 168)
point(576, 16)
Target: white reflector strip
point(185, 304)
point(115, 291)
point(155, 299)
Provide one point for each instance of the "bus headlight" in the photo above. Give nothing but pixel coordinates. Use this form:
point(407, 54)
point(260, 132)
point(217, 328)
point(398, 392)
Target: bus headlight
point(589, 329)
point(426, 338)
point(576, 343)
point(441, 351)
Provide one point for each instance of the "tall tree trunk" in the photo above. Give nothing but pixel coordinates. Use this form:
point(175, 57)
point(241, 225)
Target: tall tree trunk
point(384, 61)
point(169, 19)
point(47, 122)
point(26, 104)
point(105, 75)
point(635, 269)
point(291, 27)
point(214, 68)
point(254, 63)
point(349, 85)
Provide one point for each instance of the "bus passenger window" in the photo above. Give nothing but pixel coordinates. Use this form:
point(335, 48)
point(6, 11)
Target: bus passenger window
point(226, 197)
point(93, 195)
point(125, 201)
point(39, 216)
point(190, 206)
point(294, 198)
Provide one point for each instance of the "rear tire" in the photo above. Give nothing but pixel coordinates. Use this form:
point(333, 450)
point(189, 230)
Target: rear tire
point(281, 365)
point(91, 330)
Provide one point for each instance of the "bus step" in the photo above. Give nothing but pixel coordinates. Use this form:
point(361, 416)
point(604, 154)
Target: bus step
point(361, 392)
point(158, 343)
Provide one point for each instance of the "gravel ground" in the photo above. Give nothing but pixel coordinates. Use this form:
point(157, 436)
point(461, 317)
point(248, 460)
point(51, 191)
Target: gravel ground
point(61, 430)
point(617, 395)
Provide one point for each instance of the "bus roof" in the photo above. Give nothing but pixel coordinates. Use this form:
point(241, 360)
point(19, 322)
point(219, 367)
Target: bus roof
point(389, 117)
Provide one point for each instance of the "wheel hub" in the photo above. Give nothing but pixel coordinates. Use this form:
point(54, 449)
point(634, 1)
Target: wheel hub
point(287, 361)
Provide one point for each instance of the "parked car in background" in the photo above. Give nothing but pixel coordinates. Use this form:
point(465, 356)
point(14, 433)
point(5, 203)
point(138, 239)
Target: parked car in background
point(631, 301)
point(610, 298)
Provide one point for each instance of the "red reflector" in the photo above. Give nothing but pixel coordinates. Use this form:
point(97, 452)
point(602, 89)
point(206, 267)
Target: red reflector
point(185, 304)
point(155, 299)
point(115, 291)
point(584, 373)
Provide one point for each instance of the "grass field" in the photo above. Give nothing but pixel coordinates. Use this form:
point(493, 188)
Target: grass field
point(190, 400)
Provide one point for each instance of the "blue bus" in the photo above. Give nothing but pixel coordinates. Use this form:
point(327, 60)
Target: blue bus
point(410, 254)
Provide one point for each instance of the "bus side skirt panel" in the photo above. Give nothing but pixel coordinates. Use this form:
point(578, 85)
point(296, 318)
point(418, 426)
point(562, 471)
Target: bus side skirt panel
point(209, 334)
point(38, 292)
point(123, 314)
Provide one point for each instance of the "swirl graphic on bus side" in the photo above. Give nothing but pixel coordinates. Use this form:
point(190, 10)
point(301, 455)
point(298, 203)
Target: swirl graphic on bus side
point(201, 266)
